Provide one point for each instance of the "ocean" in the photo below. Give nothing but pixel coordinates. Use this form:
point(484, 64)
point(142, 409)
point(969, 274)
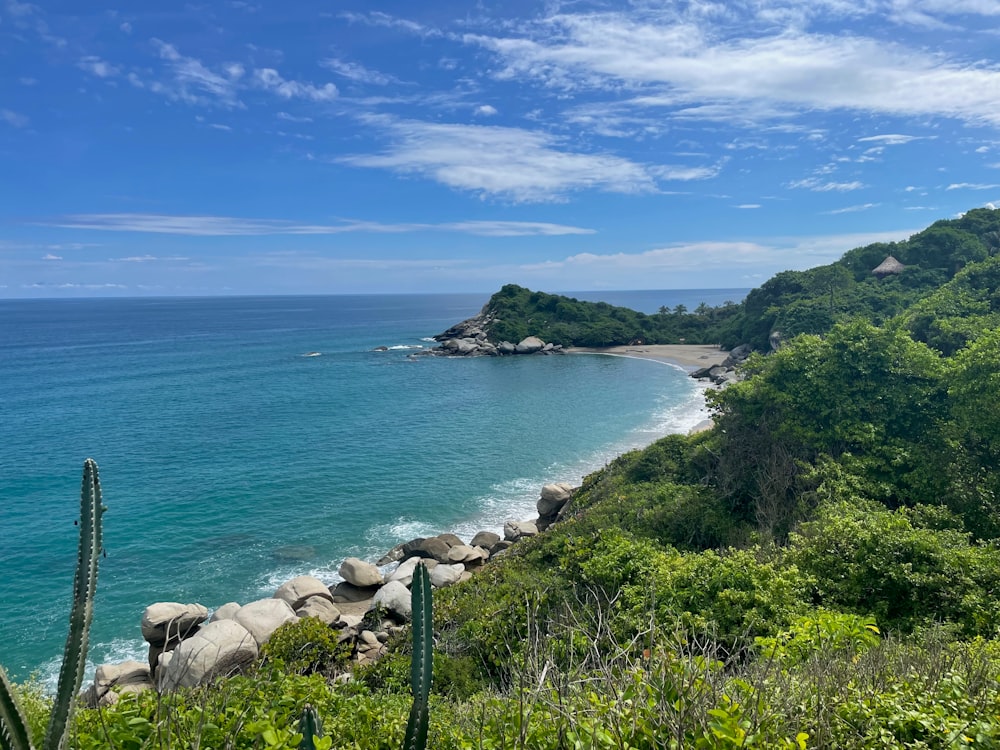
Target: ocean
point(231, 461)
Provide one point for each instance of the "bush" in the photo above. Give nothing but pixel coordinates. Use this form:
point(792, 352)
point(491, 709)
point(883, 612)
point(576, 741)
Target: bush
point(307, 646)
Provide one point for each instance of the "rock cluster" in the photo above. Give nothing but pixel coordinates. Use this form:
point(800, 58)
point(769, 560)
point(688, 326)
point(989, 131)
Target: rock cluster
point(470, 338)
point(728, 370)
point(188, 648)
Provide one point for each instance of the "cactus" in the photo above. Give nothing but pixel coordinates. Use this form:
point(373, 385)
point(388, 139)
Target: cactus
point(423, 659)
point(13, 729)
point(310, 728)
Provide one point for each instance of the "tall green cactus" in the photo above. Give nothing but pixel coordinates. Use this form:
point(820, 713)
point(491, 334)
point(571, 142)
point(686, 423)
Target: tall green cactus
point(422, 663)
point(13, 728)
point(311, 729)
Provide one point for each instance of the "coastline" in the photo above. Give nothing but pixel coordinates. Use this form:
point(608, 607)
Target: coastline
point(689, 357)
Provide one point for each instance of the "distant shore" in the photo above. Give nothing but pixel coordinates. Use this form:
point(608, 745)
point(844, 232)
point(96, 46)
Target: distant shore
point(689, 356)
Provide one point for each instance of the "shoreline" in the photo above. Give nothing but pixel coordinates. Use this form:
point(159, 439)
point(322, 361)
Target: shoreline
point(689, 357)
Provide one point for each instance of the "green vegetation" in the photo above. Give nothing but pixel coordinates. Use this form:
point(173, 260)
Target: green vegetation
point(16, 731)
point(820, 570)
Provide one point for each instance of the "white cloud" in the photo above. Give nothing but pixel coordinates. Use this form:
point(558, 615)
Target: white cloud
point(738, 61)
point(852, 209)
point(748, 205)
point(356, 72)
point(819, 186)
point(195, 83)
point(485, 110)
point(50, 256)
point(271, 80)
point(97, 67)
point(14, 119)
point(217, 226)
point(891, 139)
point(293, 118)
point(971, 186)
point(512, 163)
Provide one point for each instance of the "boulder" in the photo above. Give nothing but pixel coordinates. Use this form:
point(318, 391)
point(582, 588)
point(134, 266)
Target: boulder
point(226, 611)
point(345, 592)
point(434, 548)
point(529, 345)
point(462, 553)
point(218, 649)
point(450, 539)
point(171, 621)
point(446, 575)
point(263, 617)
point(360, 573)
point(502, 546)
point(394, 555)
point(297, 590)
point(505, 347)
point(395, 598)
point(484, 539)
point(404, 573)
point(737, 356)
point(125, 673)
point(554, 496)
point(516, 530)
point(320, 607)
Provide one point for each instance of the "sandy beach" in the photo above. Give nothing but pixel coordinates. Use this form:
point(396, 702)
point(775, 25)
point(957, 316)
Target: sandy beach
point(689, 356)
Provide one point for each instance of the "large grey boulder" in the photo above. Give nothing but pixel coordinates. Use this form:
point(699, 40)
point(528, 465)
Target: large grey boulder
point(321, 608)
point(218, 649)
point(360, 573)
point(297, 590)
point(263, 617)
point(514, 531)
point(484, 539)
point(530, 345)
point(171, 621)
point(462, 553)
point(505, 347)
point(446, 575)
point(554, 496)
point(226, 612)
point(434, 548)
point(395, 598)
point(404, 573)
point(345, 592)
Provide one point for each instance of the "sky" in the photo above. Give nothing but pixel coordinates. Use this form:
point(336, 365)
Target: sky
point(306, 147)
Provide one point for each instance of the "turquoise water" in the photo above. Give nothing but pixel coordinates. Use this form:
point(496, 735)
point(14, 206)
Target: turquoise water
point(230, 462)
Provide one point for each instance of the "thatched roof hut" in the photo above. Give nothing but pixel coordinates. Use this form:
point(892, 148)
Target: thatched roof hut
point(888, 267)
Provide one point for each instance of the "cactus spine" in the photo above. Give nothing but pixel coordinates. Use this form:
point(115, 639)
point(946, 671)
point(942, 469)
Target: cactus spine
point(421, 666)
point(13, 729)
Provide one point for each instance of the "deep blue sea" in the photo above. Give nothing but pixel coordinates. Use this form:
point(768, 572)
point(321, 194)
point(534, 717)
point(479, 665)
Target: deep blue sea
point(230, 462)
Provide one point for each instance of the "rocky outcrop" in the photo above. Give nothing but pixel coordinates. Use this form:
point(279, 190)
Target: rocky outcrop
point(471, 338)
point(728, 370)
point(185, 651)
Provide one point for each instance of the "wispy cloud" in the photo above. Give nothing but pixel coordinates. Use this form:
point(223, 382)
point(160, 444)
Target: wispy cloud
point(971, 186)
point(739, 60)
point(511, 163)
point(14, 119)
point(97, 67)
point(820, 186)
point(357, 72)
point(217, 226)
point(270, 79)
point(852, 209)
point(193, 82)
point(890, 139)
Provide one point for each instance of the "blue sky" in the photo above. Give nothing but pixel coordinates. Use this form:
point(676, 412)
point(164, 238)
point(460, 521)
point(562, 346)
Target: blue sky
point(250, 146)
